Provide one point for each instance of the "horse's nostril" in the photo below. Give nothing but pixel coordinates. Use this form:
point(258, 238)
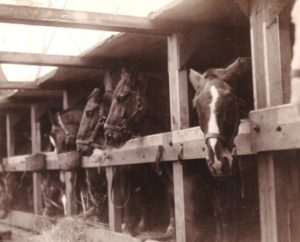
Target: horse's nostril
point(109, 136)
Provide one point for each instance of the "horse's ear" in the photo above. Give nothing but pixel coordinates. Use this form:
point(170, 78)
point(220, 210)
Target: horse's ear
point(53, 118)
point(197, 80)
point(233, 73)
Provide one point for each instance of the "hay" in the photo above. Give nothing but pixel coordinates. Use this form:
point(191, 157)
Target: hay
point(65, 230)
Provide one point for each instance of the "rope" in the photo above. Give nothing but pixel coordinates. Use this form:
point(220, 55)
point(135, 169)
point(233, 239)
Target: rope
point(111, 195)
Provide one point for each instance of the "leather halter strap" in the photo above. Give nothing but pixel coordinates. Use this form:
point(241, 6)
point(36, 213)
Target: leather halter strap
point(91, 140)
point(218, 137)
point(66, 131)
point(126, 122)
point(214, 135)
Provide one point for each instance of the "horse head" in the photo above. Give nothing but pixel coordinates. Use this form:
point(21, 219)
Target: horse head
point(91, 130)
point(128, 107)
point(218, 110)
point(64, 129)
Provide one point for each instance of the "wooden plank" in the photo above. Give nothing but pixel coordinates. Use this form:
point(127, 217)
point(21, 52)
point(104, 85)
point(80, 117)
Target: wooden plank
point(179, 109)
point(286, 48)
point(18, 85)
point(266, 38)
point(114, 213)
point(42, 94)
point(70, 176)
point(36, 147)
point(279, 128)
point(13, 104)
point(142, 150)
point(86, 20)
point(10, 136)
point(47, 60)
point(257, 53)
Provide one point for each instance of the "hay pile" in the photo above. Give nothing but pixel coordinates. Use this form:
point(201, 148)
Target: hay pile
point(65, 230)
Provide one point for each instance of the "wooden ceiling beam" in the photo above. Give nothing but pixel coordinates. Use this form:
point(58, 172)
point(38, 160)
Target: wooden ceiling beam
point(47, 60)
point(9, 104)
point(87, 20)
point(19, 85)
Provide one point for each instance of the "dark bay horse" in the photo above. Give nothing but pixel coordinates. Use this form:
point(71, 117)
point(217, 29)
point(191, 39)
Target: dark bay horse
point(92, 183)
point(91, 131)
point(222, 98)
point(64, 127)
point(140, 107)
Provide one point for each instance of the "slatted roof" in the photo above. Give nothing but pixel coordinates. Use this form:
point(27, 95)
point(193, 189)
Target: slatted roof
point(144, 47)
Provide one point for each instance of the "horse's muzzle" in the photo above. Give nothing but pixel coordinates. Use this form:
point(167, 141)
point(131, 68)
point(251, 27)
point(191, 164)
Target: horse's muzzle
point(113, 138)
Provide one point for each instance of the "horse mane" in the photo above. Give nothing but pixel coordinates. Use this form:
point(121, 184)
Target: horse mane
point(72, 115)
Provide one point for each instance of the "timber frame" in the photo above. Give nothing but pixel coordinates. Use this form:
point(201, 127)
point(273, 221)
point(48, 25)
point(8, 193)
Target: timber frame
point(273, 125)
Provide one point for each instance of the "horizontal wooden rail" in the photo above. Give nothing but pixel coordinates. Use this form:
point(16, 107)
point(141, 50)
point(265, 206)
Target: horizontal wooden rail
point(86, 20)
point(47, 60)
point(141, 150)
point(271, 129)
point(275, 128)
point(19, 85)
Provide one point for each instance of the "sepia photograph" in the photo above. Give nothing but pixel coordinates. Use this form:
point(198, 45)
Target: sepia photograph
point(150, 120)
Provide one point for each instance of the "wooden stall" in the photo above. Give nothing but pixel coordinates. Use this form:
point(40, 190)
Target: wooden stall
point(180, 35)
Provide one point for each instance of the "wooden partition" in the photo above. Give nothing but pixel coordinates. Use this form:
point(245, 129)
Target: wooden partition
point(271, 133)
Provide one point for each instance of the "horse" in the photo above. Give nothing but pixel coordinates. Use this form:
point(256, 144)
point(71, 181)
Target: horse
point(91, 130)
point(135, 111)
point(65, 126)
point(220, 104)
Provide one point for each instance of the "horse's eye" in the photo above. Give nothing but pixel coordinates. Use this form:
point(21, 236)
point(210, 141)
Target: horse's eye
point(89, 113)
point(122, 97)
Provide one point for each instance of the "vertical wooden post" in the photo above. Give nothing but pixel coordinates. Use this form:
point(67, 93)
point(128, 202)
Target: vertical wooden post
point(70, 175)
point(114, 214)
point(179, 120)
point(268, 54)
point(10, 136)
point(36, 147)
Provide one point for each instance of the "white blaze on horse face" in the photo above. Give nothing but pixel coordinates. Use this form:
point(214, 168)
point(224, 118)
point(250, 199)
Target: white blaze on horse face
point(212, 122)
point(52, 142)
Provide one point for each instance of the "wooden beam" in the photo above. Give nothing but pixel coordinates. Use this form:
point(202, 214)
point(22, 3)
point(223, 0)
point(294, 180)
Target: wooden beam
point(70, 176)
point(179, 120)
point(18, 85)
point(10, 136)
point(86, 20)
point(267, 54)
point(47, 60)
point(142, 150)
point(36, 147)
point(114, 213)
point(276, 128)
point(10, 104)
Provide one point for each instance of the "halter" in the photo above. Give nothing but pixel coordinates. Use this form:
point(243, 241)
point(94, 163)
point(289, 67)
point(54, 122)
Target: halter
point(91, 140)
point(219, 137)
point(68, 134)
point(124, 127)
